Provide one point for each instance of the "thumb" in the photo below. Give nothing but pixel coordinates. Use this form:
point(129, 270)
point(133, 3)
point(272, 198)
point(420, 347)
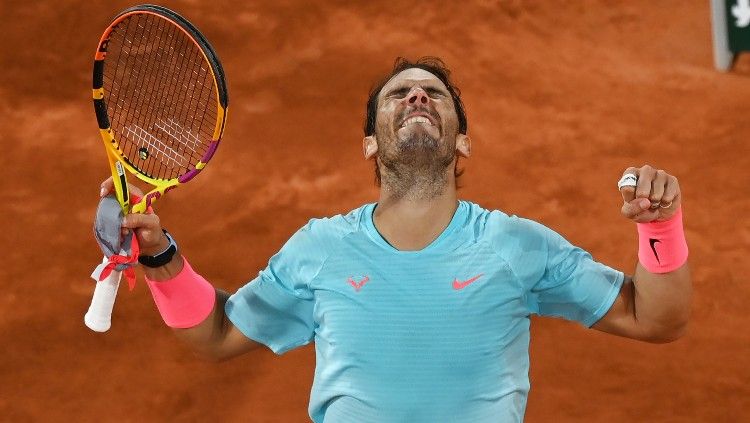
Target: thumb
point(632, 208)
point(148, 230)
point(141, 221)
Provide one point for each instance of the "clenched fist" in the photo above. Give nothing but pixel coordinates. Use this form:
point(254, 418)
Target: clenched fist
point(649, 194)
point(147, 226)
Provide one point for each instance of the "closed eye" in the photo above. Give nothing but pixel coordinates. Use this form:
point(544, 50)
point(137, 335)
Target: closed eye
point(435, 92)
point(399, 92)
point(403, 91)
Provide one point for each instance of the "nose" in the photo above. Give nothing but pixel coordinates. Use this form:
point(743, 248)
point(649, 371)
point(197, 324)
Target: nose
point(417, 97)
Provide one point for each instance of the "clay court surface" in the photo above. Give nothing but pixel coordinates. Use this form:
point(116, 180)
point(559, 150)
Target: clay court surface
point(560, 100)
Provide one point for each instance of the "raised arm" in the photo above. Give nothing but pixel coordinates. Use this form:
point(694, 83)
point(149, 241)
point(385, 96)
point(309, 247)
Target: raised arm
point(653, 304)
point(215, 337)
point(186, 301)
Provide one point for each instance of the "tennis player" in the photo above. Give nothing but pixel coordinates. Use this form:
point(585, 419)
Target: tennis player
point(419, 304)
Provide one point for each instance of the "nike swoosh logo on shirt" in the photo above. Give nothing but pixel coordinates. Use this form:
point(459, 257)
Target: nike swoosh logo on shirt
point(457, 284)
point(653, 242)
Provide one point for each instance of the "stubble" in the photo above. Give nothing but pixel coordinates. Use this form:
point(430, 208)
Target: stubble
point(416, 168)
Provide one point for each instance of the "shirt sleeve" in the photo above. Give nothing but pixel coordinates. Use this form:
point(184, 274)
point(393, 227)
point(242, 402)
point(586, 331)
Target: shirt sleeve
point(276, 308)
point(572, 286)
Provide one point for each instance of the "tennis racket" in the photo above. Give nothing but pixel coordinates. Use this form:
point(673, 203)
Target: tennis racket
point(161, 100)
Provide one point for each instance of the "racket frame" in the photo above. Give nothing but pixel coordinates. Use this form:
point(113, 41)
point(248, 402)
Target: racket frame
point(114, 152)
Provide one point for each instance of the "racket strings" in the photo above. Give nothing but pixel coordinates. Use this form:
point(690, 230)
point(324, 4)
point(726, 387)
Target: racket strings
point(161, 97)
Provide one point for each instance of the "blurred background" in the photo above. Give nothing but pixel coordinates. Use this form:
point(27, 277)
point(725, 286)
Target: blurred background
point(561, 97)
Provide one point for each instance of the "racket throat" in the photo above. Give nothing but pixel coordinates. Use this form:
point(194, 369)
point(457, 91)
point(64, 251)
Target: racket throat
point(121, 187)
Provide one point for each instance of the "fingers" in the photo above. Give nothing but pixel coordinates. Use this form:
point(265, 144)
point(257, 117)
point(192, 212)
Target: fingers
point(141, 221)
point(657, 188)
point(633, 208)
point(108, 186)
point(147, 229)
point(655, 196)
point(628, 192)
point(671, 192)
point(646, 176)
point(639, 210)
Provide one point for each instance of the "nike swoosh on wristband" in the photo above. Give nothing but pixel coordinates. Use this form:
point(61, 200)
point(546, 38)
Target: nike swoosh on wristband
point(652, 242)
point(457, 284)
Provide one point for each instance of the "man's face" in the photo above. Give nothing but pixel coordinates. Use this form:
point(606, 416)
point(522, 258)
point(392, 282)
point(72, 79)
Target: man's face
point(415, 103)
point(416, 124)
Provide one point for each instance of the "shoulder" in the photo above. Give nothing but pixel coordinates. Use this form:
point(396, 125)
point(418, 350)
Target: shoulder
point(306, 251)
point(323, 233)
point(523, 244)
point(503, 231)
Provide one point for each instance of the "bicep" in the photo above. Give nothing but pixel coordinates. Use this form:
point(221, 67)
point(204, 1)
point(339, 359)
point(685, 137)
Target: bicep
point(235, 343)
point(216, 337)
point(620, 319)
point(654, 308)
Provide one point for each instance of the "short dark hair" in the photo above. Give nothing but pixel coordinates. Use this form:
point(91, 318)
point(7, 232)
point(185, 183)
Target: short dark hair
point(433, 65)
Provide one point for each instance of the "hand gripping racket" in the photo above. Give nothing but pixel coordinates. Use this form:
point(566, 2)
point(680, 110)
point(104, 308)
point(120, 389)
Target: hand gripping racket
point(160, 99)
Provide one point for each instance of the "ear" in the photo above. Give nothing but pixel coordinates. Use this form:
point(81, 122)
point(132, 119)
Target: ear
point(369, 146)
point(463, 145)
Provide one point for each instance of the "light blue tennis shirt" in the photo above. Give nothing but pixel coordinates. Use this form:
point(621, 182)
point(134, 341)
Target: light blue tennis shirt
point(436, 335)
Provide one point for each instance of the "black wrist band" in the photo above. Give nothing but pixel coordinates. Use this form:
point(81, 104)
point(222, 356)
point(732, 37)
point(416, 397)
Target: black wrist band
point(162, 258)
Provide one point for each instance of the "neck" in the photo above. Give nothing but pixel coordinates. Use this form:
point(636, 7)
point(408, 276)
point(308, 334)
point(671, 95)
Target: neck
point(412, 222)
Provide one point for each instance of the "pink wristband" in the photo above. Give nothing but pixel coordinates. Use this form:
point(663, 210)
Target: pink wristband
point(185, 300)
point(661, 245)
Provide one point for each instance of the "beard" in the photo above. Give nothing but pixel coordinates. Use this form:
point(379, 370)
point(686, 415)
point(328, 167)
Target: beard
point(416, 167)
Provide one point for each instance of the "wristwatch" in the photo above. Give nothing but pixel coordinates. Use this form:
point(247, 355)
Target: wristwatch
point(162, 258)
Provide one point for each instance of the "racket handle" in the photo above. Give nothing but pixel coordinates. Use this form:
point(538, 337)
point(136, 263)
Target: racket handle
point(99, 316)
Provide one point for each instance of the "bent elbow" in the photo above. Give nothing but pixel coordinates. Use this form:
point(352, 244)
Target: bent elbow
point(213, 358)
point(667, 334)
point(212, 355)
point(222, 353)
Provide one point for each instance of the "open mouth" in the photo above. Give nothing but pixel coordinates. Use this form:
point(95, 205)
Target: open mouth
point(417, 119)
point(421, 118)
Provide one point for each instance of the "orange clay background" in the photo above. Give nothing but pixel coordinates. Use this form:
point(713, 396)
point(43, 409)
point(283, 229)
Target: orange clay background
point(561, 98)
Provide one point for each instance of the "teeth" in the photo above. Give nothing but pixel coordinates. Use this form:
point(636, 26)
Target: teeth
point(417, 119)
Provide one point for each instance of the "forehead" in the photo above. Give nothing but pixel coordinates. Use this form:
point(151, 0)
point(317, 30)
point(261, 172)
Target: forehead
point(411, 77)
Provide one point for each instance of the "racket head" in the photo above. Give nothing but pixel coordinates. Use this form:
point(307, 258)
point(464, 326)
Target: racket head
point(160, 97)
